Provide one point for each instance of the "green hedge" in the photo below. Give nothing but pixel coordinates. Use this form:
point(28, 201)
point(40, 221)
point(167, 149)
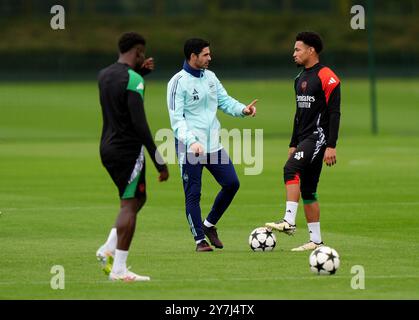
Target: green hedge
point(238, 40)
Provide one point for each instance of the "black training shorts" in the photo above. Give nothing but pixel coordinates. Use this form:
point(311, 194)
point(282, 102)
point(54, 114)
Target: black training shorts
point(128, 176)
point(306, 162)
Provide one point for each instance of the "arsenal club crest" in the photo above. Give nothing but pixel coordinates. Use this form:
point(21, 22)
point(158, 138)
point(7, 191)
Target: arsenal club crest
point(304, 86)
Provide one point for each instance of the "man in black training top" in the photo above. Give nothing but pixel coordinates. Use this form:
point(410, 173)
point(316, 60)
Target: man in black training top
point(125, 134)
point(316, 126)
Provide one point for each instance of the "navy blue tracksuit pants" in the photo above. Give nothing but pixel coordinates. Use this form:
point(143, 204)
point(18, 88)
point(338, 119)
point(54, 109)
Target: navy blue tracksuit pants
point(222, 169)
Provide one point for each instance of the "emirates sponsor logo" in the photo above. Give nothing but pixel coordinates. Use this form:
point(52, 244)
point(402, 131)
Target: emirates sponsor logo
point(306, 99)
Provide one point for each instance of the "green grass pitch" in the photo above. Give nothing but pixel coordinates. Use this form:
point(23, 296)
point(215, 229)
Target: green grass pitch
point(58, 204)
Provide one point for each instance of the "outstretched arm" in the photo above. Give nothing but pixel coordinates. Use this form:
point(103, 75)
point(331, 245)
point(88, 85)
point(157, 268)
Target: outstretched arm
point(231, 106)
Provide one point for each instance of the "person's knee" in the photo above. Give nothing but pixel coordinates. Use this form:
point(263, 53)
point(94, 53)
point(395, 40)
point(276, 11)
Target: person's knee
point(291, 175)
point(133, 205)
point(308, 197)
point(141, 201)
point(233, 185)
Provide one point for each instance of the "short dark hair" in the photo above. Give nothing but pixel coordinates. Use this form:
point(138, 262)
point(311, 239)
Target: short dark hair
point(194, 45)
point(311, 39)
point(128, 40)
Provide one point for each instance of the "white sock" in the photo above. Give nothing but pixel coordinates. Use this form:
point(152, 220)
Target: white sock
point(199, 241)
point(208, 224)
point(291, 212)
point(314, 230)
point(110, 244)
point(120, 262)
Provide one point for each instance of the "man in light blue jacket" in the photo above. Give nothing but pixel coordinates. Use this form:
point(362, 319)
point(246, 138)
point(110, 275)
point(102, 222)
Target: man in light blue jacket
point(194, 95)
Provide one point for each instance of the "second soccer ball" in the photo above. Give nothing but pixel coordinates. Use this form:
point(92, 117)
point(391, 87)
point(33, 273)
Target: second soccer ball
point(262, 239)
point(324, 261)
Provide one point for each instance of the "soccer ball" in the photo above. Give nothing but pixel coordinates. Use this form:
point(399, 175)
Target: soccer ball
point(324, 260)
point(262, 239)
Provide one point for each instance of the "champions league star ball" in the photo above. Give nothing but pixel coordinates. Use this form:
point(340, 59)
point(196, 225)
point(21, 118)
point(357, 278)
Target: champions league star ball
point(324, 261)
point(262, 239)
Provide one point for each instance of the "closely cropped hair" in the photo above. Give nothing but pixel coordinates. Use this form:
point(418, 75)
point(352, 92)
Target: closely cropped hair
point(311, 39)
point(128, 40)
point(194, 45)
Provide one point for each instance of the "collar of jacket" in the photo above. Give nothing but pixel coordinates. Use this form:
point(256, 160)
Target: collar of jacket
point(313, 67)
point(196, 73)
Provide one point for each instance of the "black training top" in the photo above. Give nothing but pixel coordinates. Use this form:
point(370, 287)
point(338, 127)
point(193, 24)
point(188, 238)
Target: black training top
point(125, 127)
point(317, 92)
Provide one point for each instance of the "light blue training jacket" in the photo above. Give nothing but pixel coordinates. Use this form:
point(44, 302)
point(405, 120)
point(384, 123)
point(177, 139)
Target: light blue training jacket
point(193, 98)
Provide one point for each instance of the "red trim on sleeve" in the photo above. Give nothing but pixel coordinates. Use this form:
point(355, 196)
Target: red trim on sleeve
point(296, 180)
point(329, 81)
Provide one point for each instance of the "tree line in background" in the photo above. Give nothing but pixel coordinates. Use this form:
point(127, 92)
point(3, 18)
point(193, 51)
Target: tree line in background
point(244, 34)
point(213, 7)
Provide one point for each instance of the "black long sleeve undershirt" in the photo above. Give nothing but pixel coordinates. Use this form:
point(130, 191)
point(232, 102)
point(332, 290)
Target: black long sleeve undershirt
point(334, 117)
point(294, 140)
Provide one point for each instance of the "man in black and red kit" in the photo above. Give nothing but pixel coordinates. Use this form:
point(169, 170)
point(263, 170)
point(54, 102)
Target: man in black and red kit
point(316, 126)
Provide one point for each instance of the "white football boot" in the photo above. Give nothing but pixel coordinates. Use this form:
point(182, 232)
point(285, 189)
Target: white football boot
point(105, 258)
point(282, 226)
point(309, 246)
point(127, 276)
